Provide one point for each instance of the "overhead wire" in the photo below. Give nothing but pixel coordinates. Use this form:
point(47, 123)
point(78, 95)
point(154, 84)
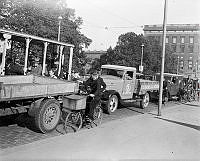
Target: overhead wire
point(118, 16)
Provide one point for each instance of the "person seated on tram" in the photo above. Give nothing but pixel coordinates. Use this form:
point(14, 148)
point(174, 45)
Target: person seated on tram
point(13, 68)
point(52, 73)
point(37, 70)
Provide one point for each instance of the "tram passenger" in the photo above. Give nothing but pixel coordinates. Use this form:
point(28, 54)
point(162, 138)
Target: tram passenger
point(97, 86)
point(37, 70)
point(13, 68)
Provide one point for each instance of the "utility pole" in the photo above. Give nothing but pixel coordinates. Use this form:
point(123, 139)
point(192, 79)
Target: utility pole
point(163, 59)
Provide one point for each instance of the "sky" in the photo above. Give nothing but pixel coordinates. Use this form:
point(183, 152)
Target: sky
point(105, 20)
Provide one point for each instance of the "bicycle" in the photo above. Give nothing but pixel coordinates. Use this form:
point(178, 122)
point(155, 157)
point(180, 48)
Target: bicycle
point(76, 118)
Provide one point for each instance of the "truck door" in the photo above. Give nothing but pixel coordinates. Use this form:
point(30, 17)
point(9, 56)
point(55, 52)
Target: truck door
point(129, 84)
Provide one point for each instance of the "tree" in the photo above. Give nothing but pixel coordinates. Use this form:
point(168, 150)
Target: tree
point(128, 52)
point(40, 18)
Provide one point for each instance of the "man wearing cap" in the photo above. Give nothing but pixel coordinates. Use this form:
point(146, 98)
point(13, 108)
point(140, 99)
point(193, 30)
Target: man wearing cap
point(96, 86)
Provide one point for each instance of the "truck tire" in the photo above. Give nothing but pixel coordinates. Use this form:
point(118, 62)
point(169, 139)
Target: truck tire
point(112, 104)
point(145, 101)
point(47, 115)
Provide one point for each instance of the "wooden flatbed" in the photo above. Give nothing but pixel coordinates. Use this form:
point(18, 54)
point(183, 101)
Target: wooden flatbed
point(32, 86)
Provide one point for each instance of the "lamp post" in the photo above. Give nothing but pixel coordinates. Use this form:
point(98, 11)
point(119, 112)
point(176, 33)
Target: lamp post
point(196, 69)
point(141, 67)
point(177, 65)
point(59, 24)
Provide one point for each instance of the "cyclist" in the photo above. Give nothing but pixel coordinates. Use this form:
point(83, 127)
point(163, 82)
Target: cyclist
point(95, 87)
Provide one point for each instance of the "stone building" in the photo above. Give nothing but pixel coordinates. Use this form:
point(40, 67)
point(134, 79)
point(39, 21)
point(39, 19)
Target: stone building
point(184, 41)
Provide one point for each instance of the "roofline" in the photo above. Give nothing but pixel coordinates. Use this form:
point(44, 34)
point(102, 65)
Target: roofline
point(173, 27)
point(170, 74)
point(34, 37)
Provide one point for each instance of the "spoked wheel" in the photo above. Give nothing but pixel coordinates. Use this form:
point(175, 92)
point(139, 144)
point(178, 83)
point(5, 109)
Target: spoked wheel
point(112, 104)
point(145, 101)
point(73, 122)
point(98, 116)
point(47, 115)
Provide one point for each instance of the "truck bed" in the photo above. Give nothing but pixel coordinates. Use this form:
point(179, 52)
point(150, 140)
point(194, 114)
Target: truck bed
point(143, 85)
point(32, 86)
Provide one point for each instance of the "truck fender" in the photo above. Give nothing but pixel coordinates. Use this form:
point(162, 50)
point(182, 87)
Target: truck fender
point(34, 106)
point(108, 93)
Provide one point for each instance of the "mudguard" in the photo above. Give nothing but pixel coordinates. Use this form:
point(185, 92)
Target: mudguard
point(108, 93)
point(34, 106)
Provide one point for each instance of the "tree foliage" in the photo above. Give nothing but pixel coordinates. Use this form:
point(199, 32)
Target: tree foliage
point(40, 18)
point(128, 52)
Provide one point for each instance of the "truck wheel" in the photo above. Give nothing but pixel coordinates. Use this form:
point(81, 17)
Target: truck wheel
point(47, 115)
point(145, 101)
point(112, 104)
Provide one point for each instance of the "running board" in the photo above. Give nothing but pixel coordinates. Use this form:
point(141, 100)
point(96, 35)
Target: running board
point(131, 100)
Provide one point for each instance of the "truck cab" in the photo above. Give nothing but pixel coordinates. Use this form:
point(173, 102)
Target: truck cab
point(120, 78)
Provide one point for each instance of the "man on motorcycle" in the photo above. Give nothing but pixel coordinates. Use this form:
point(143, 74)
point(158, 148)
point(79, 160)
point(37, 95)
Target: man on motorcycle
point(95, 87)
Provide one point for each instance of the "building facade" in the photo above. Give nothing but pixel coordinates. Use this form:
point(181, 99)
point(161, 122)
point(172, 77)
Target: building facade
point(94, 54)
point(184, 41)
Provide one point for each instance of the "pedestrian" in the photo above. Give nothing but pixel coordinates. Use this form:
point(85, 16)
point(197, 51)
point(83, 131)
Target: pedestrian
point(95, 87)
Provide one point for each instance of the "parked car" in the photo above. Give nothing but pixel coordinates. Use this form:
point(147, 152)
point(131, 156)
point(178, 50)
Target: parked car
point(171, 85)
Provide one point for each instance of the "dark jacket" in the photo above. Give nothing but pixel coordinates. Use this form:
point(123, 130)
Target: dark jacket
point(14, 69)
point(96, 86)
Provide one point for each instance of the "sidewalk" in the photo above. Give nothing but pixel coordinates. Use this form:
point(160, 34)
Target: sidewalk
point(174, 135)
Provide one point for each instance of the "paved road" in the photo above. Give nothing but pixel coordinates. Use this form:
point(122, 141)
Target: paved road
point(17, 129)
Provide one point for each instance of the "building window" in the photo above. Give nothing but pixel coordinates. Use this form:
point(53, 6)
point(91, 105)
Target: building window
point(181, 64)
point(190, 65)
point(173, 48)
point(199, 67)
point(182, 48)
point(174, 40)
point(167, 40)
point(182, 39)
point(191, 39)
point(151, 37)
point(191, 48)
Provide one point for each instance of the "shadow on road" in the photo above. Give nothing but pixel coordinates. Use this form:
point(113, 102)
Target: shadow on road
point(181, 123)
point(21, 119)
point(134, 110)
point(188, 104)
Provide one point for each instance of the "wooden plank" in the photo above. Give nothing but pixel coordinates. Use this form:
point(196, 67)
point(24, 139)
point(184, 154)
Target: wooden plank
point(16, 79)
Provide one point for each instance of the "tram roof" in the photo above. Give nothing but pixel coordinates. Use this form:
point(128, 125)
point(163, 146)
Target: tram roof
point(14, 33)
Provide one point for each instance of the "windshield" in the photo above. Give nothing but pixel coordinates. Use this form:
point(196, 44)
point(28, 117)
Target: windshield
point(112, 72)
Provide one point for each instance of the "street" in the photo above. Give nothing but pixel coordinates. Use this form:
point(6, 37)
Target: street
point(18, 129)
point(174, 135)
